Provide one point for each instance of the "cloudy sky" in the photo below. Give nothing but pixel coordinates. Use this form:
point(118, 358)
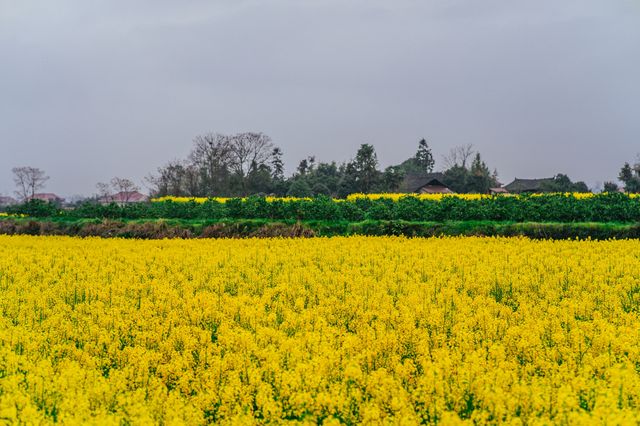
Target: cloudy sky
point(91, 89)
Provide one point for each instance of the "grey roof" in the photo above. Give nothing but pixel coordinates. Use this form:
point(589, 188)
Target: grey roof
point(527, 185)
point(413, 182)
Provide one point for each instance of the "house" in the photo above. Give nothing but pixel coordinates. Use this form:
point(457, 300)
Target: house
point(7, 201)
point(47, 196)
point(124, 197)
point(519, 186)
point(430, 183)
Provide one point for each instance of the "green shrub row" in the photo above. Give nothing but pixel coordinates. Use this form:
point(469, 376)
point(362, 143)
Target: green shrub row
point(545, 208)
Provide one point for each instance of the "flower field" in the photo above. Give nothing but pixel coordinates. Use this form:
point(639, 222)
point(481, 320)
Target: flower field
point(359, 329)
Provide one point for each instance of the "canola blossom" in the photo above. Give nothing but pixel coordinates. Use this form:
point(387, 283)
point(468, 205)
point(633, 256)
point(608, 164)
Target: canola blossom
point(374, 330)
point(387, 196)
point(200, 200)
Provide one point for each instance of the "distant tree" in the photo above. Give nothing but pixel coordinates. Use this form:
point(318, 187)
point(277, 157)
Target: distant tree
point(456, 178)
point(321, 189)
point(391, 179)
point(347, 184)
point(459, 156)
point(611, 187)
point(277, 165)
point(365, 168)
point(463, 177)
point(299, 188)
point(562, 183)
point(125, 187)
point(223, 165)
point(630, 176)
point(259, 179)
point(175, 178)
point(28, 180)
point(104, 189)
point(248, 150)
point(306, 165)
point(479, 178)
point(324, 178)
point(211, 157)
point(424, 157)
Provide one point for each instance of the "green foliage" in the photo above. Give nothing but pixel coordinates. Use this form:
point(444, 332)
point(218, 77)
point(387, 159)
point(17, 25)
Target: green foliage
point(424, 157)
point(475, 179)
point(606, 207)
point(562, 183)
point(299, 188)
point(630, 176)
point(364, 169)
point(611, 187)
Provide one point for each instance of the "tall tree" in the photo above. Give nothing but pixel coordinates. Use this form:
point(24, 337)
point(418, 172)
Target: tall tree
point(211, 157)
point(630, 176)
point(459, 156)
point(391, 179)
point(306, 165)
point(456, 178)
point(424, 157)
point(365, 168)
point(248, 150)
point(28, 180)
point(277, 165)
point(480, 178)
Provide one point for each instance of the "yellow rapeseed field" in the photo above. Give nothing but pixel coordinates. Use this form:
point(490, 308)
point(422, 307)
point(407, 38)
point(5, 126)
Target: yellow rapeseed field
point(389, 196)
point(361, 329)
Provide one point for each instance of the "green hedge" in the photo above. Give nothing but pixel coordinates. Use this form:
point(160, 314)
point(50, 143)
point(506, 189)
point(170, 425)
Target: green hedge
point(545, 208)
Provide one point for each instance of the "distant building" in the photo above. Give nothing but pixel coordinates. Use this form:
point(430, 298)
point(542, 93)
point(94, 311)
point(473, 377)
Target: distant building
point(7, 201)
point(430, 183)
point(519, 186)
point(124, 197)
point(47, 196)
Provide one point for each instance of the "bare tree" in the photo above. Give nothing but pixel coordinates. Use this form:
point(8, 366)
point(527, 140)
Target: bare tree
point(218, 164)
point(124, 187)
point(28, 180)
point(211, 156)
point(249, 150)
point(458, 156)
point(104, 190)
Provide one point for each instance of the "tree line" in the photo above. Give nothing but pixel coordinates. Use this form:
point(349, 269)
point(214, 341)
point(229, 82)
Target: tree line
point(249, 163)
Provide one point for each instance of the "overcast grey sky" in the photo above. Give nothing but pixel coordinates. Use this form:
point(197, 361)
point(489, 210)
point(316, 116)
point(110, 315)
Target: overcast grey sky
point(91, 89)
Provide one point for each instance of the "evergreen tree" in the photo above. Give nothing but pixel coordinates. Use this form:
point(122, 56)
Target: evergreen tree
point(630, 176)
point(610, 187)
point(456, 178)
point(424, 157)
point(480, 178)
point(365, 168)
point(277, 165)
point(299, 188)
point(391, 179)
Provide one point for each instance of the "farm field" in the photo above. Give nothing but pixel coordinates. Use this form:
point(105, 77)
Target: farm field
point(323, 330)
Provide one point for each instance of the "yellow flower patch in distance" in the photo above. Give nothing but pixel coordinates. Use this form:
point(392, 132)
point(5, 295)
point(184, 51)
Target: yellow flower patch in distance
point(389, 196)
point(355, 330)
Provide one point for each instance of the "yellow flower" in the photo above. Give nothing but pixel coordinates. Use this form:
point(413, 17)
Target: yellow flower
point(380, 330)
